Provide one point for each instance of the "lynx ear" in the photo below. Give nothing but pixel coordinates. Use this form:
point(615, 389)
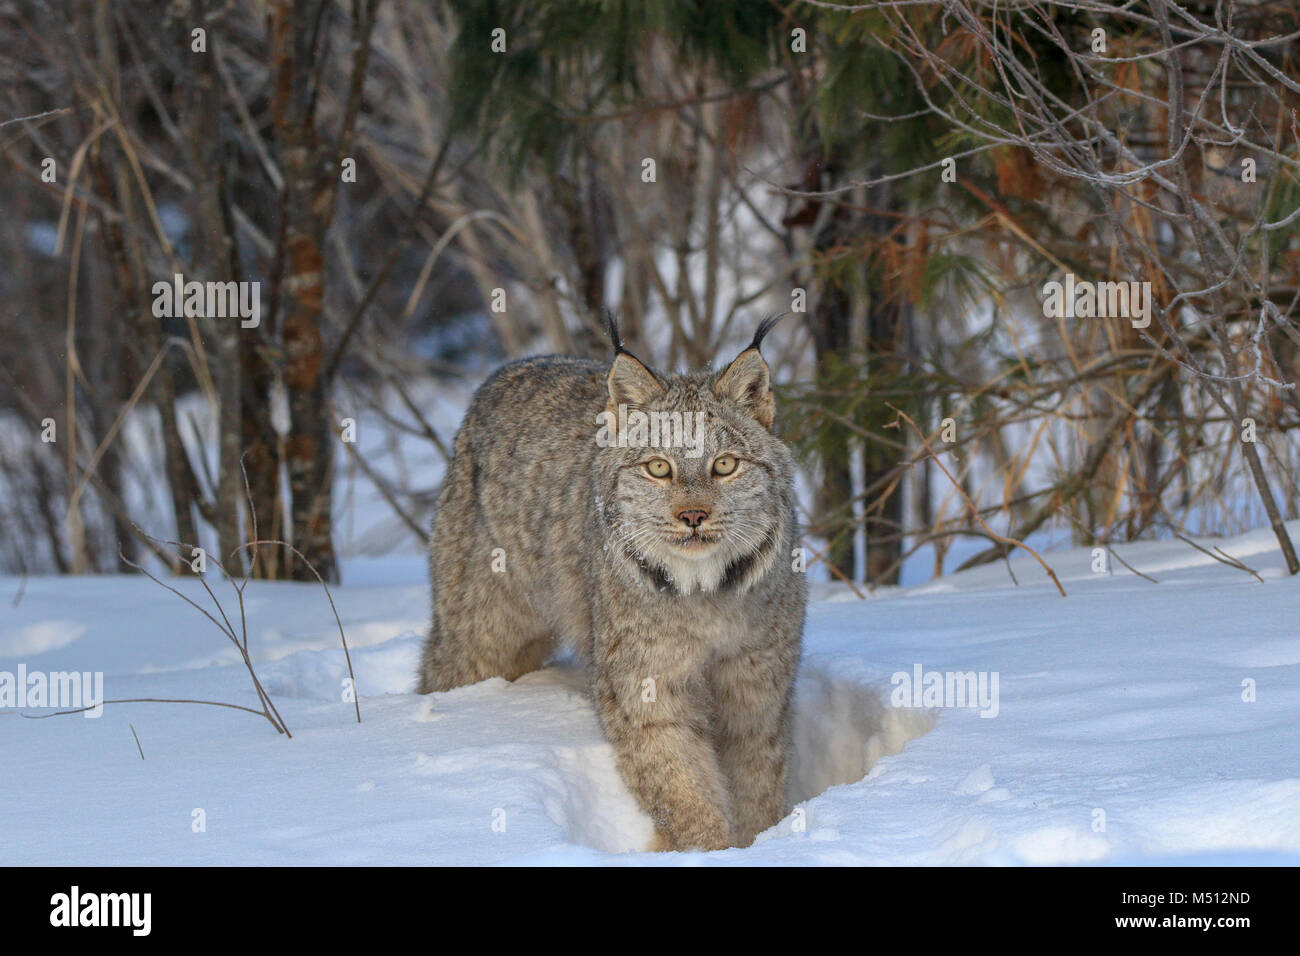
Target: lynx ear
point(631, 383)
point(747, 382)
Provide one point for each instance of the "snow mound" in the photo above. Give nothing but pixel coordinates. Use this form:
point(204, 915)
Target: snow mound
point(387, 668)
point(841, 729)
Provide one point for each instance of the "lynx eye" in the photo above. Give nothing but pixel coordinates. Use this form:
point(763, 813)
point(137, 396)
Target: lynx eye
point(725, 465)
point(658, 468)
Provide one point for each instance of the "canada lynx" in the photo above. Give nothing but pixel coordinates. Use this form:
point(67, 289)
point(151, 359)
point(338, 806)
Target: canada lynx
point(647, 521)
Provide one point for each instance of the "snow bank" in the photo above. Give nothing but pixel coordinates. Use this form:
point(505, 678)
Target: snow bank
point(1135, 722)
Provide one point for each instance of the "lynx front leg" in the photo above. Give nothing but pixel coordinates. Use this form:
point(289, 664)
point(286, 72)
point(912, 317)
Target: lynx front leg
point(752, 728)
point(661, 737)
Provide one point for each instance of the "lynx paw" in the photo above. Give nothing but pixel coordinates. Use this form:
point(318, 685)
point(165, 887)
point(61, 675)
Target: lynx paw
point(700, 839)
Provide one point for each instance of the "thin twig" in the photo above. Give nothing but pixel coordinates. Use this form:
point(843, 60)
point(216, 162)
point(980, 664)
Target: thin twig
point(145, 700)
point(347, 654)
point(970, 504)
point(35, 116)
point(137, 740)
point(830, 566)
point(1226, 558)
point(1115, 554)
point(267, 710)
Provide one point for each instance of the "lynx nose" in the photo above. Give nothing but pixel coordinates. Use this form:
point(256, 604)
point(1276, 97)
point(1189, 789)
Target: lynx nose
point(692, 518)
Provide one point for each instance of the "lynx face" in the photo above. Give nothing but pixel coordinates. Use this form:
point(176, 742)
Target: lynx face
point(691, 497)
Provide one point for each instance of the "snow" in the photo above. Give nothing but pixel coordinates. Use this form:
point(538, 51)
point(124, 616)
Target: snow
point(1121, 703)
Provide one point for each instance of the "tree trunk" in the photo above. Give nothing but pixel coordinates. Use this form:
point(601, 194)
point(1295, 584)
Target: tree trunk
point(883, 522)
point(828, 321)
point(217, 259)
point(310, 185)
point(265, 520)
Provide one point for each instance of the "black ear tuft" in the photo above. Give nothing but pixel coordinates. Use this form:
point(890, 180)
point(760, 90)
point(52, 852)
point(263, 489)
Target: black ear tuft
point(630, 381)
point(764, 327)
point(611, 328)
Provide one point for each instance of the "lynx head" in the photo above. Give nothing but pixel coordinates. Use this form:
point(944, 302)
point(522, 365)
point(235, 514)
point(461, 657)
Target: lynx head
point(696, 490)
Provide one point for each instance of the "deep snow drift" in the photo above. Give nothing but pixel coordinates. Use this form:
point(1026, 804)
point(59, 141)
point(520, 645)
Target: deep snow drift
point(1125, 728)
